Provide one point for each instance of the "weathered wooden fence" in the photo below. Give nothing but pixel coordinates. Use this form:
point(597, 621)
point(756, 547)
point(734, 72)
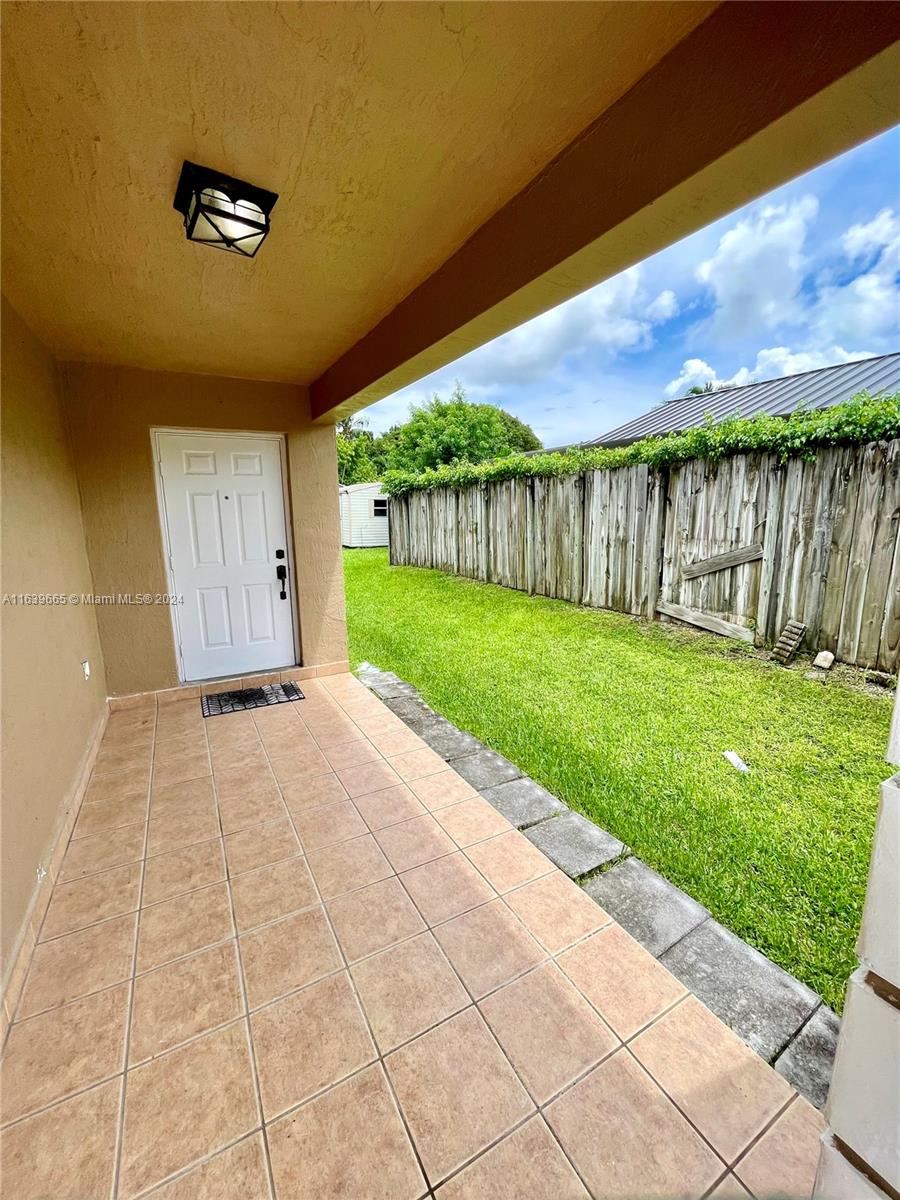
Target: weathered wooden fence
point(740, 546)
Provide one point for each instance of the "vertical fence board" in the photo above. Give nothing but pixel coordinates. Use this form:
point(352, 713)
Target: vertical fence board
point(620, 539)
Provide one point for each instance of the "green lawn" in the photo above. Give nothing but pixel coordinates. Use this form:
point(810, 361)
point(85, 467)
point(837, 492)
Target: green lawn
point(626, 721)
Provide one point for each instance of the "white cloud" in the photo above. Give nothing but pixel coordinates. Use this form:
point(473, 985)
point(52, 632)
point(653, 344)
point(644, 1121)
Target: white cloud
point(867, 308)
point(694, 372)
point(756, 273)
point(615, 317)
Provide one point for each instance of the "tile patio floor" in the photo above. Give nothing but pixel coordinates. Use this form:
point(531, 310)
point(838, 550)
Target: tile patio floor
point(292, 954)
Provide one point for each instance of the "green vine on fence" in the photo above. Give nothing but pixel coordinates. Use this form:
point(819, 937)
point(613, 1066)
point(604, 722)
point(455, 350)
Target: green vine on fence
point(865, 418)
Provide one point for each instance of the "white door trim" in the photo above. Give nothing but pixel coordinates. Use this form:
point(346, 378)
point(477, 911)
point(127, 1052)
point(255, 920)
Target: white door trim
point(160, 430)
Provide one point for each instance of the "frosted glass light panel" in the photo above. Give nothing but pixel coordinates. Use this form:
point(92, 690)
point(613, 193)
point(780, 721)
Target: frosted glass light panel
point(223, 212)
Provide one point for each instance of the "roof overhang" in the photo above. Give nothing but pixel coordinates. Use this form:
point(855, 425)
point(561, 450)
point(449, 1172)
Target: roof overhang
point(754, 96)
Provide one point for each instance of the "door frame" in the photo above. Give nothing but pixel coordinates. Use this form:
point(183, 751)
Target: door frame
point(156, 431)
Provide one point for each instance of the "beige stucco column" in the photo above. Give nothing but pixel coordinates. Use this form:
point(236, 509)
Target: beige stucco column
point(861, 1147)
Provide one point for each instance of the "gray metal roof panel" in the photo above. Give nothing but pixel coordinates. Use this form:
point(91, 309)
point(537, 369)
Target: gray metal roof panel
point(775, 397)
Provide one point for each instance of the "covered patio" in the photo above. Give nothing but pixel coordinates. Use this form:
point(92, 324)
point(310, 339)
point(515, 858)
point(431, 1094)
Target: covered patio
point(287, 952)
point(292, 949)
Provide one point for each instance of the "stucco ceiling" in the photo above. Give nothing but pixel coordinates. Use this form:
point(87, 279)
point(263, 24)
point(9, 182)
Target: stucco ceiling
point(390, 131)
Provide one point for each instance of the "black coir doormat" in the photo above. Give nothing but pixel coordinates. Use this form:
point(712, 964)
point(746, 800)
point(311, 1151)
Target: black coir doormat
point(220, 703)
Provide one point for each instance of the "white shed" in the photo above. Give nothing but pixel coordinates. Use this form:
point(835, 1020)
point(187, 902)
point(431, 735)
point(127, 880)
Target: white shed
point(364, 515)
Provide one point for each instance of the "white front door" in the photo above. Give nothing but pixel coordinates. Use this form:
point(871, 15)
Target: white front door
point(226, 534)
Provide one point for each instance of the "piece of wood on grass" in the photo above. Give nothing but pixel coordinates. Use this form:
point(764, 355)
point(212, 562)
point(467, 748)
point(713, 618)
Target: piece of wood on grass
point(705, 621)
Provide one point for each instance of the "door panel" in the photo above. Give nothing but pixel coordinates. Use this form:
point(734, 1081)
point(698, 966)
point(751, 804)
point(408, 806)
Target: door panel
point(223, 498)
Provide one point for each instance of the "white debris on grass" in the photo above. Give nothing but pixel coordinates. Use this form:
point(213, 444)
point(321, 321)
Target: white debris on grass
point(735, 759)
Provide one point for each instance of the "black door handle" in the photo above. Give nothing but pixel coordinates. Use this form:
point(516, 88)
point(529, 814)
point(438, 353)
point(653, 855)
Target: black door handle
point(281, 572)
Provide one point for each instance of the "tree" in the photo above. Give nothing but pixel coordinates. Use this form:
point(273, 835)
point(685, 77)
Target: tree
point(447, 431)
point(519, 435)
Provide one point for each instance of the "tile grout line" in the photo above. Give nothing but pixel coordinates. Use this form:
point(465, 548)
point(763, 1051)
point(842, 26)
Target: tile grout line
point(361, 1007)
point(120, 1130)
point(254, 1068)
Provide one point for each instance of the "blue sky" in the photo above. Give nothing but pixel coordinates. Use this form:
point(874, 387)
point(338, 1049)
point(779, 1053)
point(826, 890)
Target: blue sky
point(804, 277)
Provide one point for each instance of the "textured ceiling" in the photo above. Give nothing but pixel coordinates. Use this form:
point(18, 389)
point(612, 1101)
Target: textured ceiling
point(391, 132)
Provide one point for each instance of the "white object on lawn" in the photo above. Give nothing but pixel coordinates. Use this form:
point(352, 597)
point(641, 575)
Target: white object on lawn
point(735, 760)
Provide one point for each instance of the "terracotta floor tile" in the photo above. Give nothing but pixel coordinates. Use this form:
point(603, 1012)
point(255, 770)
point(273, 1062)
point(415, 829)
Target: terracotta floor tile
point(417, 764)
point(92, 899)
point(173, 749)
point(179, 760)
point(171, 799)
point(446, 887)
point(785, 1159)
point(556, 911)
point(232, 758)
point(72, 966)
point(309, 1146)
point(626, 985)
point(300, 765)
point(245, 781)
point(335, 734)
point(488, 946)
point(442, 789)
point(627, 1139)
point(394, 804)
point(407, 989)
point(67, 1152)
point(272, 892)
point(370, 777)
point(393, 738)
point(457, 1092)
point(509, 860)
point(472, 821)
point(329, 824)
point(115, 848)
point(198, 822)
point(276, 716)
point(256, 808)
point(183, 924)
point(717, 1081)
point(186, 1104)
point(180, 720)
point(106, 815)
point(730, 1188)
point(348, 865)
point(374, 918)
point(183, 999)
point(308, 1041)
point(232, 729)
point(351, 754)
point(550, 1033)
point(122, 758)
point(102, 788)
point(261, 845)
point(126, 737)
point(324, 789)
point(61, 1051)
point(284, 743)
point(414, 842)
point(526, 1165)
point(132, 719)
point(288, 954)
point(238, 1173)
point(184, 870)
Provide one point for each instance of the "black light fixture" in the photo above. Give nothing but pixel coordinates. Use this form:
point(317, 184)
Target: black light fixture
point(223, 212)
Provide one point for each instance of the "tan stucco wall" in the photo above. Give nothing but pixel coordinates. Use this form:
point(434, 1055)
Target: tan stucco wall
point(49, 711)
point(110, 413)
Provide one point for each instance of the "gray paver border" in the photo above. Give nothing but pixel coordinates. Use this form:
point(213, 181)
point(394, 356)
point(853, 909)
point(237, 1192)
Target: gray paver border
point(808, 1073)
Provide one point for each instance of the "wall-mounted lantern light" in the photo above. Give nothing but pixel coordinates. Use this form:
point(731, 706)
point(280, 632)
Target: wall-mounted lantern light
point(221, 211)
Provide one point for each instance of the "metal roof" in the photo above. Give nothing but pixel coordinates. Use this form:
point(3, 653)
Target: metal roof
point(776, 397)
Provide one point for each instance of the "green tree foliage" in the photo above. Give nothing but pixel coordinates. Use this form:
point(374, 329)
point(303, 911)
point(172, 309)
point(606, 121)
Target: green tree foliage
point(862, 419)
point(437, 433)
